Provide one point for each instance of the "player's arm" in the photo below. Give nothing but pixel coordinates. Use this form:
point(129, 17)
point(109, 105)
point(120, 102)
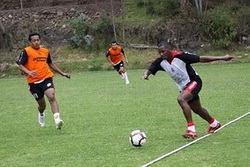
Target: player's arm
point(107, 55)
point(146, 74)
point(22, 60)
point(205, 59)
point(124, 55)
point(56, 69)
point(153, 68)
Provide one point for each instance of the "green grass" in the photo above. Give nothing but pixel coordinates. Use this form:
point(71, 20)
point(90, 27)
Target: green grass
point(100, 111)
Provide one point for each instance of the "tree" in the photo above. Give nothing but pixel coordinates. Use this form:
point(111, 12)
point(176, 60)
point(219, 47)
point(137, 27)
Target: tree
point(21, 3)
point(198, 4)
point(113, 20)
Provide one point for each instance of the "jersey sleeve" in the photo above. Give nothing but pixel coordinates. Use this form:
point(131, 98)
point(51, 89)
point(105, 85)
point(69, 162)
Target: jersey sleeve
point(189, 57)
point(23, 58)
point(122, 51)
point(107, 53)
point(155, 66)
point(49, 60)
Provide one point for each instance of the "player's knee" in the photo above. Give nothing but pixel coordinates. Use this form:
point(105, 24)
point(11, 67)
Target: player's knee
point(181, 100)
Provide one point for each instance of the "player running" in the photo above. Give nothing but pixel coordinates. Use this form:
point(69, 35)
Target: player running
point(115, 56)
point(34, 61)
point(178, 65)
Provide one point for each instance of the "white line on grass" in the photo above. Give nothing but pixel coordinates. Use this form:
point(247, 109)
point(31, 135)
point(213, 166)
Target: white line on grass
point(194, 141)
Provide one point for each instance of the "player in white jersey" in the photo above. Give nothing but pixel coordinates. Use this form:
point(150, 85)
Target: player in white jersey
point(178, 65)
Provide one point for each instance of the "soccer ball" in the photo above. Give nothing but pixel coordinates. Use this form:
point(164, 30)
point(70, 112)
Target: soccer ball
point(137, 138)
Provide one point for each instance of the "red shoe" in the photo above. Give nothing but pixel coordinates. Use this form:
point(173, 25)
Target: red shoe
point(212, 129)
point(190, 134)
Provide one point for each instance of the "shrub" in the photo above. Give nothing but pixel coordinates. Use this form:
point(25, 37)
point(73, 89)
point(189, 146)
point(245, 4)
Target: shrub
point(220, 27)
point(81, 28)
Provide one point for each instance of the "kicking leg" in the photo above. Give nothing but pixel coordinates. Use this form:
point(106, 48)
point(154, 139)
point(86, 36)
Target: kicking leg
point(50, 93)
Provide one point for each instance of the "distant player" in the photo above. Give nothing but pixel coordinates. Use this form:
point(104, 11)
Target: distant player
point(115, 55)
point(178, 65)
point(34, 61)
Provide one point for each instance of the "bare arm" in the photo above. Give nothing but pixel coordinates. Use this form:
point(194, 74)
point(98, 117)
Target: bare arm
point(26, 71)
point(56, 69)
point(124, 56)
point(109, 60)
point(204, 59)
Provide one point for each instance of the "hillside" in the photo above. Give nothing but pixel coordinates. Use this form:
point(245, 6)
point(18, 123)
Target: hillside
point(48, 17)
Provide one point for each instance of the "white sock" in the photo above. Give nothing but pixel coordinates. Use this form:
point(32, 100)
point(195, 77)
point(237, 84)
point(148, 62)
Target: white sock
point(56, 116)
point(192, 128)
point(214, 124)
point(126, 77)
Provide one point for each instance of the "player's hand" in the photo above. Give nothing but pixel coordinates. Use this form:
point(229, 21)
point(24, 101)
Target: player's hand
point(66, 75)
point(32, 73)
point(144, 77)
point(227, 57)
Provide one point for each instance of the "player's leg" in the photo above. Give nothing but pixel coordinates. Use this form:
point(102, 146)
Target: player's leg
point(203, 113)
point(49, 91)
point(41, 114)
point(37, 92)
point(183, 99)
point(123, 72)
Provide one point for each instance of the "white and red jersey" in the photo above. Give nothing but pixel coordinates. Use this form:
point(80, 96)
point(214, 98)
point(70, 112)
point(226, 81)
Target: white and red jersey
point(179, 69)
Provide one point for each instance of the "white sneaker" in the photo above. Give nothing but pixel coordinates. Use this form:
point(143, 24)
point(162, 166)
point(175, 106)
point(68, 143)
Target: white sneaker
point(59, 124)
point(127, 81)
point(41, 119)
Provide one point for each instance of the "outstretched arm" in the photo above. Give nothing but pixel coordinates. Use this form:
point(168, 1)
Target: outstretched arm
point(56, 69)
point(204, 59)
point(146, 75)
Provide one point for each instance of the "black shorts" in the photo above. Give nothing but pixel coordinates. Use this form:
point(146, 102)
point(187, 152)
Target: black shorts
point(38, 89)
point(194, 87)
point(118, 66)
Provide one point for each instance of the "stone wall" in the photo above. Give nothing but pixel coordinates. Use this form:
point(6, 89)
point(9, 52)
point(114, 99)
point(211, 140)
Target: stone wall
point(51, 22)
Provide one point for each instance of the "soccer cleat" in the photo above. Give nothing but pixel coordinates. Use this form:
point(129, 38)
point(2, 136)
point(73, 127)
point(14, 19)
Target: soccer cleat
point(190, 134)
point(59, 124)
point(41, 119)
point(127, 81)
point(212, 129)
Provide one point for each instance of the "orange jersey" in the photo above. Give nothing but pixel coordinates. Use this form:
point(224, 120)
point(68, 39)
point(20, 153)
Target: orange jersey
point(37, 61)
point(116, 55)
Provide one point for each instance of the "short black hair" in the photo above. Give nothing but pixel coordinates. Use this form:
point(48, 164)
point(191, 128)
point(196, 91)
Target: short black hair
point(113, 42)
point(33, 34)
point(165, 44)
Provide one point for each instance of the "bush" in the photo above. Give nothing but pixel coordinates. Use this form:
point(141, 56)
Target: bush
point(92, 36)
point(81, 28)
point(220, 27)
point(160, 8)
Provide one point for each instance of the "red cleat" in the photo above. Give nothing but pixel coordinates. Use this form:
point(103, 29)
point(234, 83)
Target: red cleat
point(212, 129)
point(190, 134)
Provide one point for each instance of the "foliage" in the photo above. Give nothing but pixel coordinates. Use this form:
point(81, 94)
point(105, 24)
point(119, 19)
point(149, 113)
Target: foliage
point(160, 8)
point(92, 35)
point(81, 28)
point(220, 27)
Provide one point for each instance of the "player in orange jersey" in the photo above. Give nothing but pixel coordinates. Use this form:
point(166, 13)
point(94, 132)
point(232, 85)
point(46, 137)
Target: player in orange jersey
point(115, 56)
point(35, 62)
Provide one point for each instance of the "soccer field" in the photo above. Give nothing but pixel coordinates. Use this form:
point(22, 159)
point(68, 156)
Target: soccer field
point(99, 111)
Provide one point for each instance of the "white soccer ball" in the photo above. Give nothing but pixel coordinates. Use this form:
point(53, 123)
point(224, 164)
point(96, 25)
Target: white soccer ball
point(137, 138)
